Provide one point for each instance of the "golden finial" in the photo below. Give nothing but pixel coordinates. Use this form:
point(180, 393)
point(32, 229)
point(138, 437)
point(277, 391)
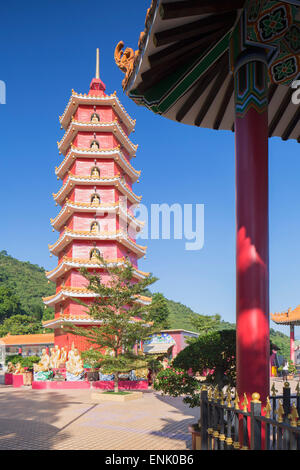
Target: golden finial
point(255, 397)
point(222, 398)
point(228, 397)
point(216, 393)
point(274, 390)
point(204, 388)
point(97, 63)
point(293, 416)
point(298, 389)
point(280, 412)
point(236, 402)
point(268, 408)
point(209, 394)
point(245, 403)
point(286, 385)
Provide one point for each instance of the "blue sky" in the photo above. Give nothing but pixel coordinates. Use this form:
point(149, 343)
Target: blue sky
point(46, 49)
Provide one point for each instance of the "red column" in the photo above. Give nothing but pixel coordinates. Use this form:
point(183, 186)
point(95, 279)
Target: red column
point(252, 245)
point(292, 343)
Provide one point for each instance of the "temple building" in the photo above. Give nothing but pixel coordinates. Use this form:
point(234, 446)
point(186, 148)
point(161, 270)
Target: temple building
point(291, 318)
point(96, 198)
point(24, 345)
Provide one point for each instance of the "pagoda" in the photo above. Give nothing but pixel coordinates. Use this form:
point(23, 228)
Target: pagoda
point(96, 198)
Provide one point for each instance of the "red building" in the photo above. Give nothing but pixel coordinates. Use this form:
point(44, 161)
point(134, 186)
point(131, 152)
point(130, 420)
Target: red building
point(96, 196)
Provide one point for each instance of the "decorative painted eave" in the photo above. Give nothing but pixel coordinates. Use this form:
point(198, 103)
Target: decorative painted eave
point(77, 99)
point(113, 126)
point(115, 154)
point(182, 69)
point(70, 207)
point(77, 263)
point(290, 317)
point(116, 181)
point(118, 235)
point(65, 320)
point(81, 292)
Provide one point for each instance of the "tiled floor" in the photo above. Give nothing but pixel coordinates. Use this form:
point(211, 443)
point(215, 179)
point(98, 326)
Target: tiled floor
point(38, 419)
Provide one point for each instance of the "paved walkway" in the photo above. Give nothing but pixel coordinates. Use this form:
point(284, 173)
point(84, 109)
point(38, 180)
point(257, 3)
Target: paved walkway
point(40, 419)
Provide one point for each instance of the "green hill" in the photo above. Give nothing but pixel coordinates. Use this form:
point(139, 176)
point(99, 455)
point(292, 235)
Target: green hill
point(29, 283)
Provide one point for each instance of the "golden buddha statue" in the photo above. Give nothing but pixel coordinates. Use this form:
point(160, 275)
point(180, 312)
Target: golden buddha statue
point(56, 357)
point(96, 200)
point(95, 173)
point(63, 356)
point(19, 369)
point(95, 145)
point(141, 373)
point(95, 254)
point(95, 118)
point(74, 365)
point(10, 368)
point(44, 363)
point(94, 227)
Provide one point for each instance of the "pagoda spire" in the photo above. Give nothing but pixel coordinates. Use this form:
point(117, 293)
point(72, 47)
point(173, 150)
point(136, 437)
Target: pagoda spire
point(97, 63)
point(97, 87)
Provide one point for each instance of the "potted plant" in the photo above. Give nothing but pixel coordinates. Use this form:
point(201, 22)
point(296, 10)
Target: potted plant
point(92, 363)
point(292, 370)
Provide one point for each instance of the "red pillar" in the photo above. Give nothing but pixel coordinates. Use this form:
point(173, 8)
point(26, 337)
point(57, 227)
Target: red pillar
point(292, 343)
point(252, 245)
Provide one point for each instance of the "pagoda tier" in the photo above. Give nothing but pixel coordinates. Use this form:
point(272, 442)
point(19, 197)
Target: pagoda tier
point(114, 154)
point(96, 217)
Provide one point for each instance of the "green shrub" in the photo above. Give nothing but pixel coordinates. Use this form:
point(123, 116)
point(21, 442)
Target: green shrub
point(24, 361)
point(177, 382)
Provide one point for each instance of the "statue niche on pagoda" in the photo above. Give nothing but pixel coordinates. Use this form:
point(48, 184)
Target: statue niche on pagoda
point(95, 173)
point(95, 227)
point(95, 199)
point(95, 117)
point(94, 145)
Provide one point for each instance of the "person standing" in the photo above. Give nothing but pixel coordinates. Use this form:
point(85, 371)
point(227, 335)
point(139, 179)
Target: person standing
point(285, 370)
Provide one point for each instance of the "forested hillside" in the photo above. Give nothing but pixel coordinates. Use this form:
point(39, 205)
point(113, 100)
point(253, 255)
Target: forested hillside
point(27, 281)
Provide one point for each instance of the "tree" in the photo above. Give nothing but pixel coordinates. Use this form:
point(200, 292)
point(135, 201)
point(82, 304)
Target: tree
point(20, 325)
point(160, 311)
point(205, 323)
point(214, 351)
point(9, 303)
point(125, 320)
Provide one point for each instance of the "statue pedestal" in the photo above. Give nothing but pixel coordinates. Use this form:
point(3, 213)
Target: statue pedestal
point(8, 378)
point(74, 378)
point(17, 380)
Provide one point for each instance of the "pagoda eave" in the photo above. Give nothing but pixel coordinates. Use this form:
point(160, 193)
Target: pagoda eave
point(83, 293)
point(68, 263)
point(71, 207)
point(290, 317)
point(116, 154)
point(60, 322)
point(110, 127)
point(77, 99)
point(116, 181)
point(182, 69)
point(118, 236)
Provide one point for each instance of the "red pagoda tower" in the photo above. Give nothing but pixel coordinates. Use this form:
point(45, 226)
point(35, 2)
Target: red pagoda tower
point(95, 198)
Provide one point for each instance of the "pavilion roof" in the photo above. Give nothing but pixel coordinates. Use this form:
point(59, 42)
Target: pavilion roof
point(11, 340)
point(182, 71)
point(287, 318)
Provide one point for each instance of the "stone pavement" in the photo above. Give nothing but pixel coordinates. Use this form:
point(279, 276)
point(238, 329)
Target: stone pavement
point(54, 419)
